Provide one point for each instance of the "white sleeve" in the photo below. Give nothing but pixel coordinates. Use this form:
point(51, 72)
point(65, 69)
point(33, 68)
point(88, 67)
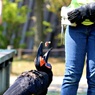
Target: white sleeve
point(64, 16)
point(0, 7)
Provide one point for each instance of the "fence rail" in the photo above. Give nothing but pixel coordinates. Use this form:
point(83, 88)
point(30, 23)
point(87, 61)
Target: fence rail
point(54, 52)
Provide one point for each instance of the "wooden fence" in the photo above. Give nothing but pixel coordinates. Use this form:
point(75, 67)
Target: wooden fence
point(54, 53)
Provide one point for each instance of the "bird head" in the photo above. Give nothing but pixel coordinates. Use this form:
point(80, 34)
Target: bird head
point(41, 60)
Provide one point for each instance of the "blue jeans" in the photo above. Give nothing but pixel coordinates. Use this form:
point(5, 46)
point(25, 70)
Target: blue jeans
point(79, 44)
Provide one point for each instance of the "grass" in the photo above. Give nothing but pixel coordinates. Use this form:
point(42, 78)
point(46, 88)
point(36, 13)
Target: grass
point(18, 66)
point(58, 93)
point(53, 93)
point(27, 63)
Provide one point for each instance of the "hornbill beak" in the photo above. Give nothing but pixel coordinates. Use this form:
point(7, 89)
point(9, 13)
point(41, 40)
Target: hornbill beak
point(40, 50)
point(46, 55)
point(41, 61)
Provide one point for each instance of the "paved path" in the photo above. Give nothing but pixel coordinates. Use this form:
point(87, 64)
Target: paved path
point(56, 83)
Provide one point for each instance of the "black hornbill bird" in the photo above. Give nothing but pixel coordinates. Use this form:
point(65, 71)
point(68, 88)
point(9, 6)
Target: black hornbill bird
point(34, 82)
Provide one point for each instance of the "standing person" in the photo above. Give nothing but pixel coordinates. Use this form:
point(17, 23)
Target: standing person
point(80, 43)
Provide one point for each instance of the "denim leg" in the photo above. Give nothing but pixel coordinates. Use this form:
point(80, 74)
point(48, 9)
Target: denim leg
point(91, 62)
point(75, 50)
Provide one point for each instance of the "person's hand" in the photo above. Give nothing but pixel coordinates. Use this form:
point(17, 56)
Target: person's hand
point(73, 16)
point(78, 15)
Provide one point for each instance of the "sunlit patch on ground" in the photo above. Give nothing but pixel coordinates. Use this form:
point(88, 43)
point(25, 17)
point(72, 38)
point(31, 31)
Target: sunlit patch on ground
point(58, 93)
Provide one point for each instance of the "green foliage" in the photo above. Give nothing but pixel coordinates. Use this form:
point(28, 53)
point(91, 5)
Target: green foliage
point(60, 39)
point(22, 46)
point(47, 27)
point(13, 14)
point(31, 32)
point(13, 17)
point(3, 42)
point(55, 5)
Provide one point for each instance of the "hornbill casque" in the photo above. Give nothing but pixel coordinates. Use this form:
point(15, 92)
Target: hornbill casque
point(34, 82)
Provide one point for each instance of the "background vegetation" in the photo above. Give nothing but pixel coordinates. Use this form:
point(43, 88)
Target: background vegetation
point(27, 22)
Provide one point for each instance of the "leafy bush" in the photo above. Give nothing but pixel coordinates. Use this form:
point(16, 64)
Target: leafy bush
point(13, 17)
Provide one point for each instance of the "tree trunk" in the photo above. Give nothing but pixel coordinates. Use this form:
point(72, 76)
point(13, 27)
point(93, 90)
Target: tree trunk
point(39, 20)
point(26, 24)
